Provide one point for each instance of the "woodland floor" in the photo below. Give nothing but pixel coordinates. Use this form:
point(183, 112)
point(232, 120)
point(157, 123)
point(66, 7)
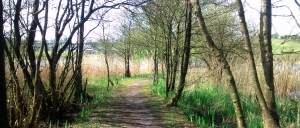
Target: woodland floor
point(132, 105)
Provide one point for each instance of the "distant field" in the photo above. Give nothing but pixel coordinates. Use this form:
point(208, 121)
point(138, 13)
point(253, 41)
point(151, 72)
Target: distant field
point(288, 46)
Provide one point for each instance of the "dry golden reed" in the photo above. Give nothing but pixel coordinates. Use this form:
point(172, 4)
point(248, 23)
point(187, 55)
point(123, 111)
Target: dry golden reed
point(92, 66)
point(286, 77)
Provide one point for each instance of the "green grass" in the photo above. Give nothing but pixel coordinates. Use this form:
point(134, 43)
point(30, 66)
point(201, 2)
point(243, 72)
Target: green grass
point(288, 46)
point(140, 76)
point(282, 51)
point(211, 106)
point(97, 87)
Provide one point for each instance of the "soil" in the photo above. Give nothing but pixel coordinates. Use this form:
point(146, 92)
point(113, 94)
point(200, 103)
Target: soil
point(133, 106)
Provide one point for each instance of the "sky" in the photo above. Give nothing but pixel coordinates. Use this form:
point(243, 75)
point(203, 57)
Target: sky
point(281, 25)
point(111, 27)
point(113, 16)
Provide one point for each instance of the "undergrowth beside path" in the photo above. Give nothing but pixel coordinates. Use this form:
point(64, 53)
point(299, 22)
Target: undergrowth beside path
point(211, 106)
point(97, 88)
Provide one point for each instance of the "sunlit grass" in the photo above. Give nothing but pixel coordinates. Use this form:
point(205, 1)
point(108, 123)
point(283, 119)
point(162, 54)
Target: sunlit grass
point(211, 106)
point(97, 88)
point(281, 45)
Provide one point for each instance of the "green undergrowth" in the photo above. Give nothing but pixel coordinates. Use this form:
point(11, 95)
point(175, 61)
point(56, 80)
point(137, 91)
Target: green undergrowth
point(211, 106)
point(97, 89)
point(139, 76)
point(128, 81)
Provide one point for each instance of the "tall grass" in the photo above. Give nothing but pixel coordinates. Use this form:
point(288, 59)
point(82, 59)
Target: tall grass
point(94, 65)
point(286, 77)
point(210, 106)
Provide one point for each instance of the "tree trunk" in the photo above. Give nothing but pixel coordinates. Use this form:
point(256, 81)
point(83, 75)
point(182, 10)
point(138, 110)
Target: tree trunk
point(127, 55)
point(269, 120)
point(185, 56)
point(3, 107)
point(267, 57)
point(175, 59)
point(127, 67)
point(162, 68)
point(78, 83)
point(220, 57)
point(107, 68)
point(106, 60)
point(12, 114)
point(31, 38)
point(38, 82)
point(168, 56)
point(155, 74)
point(173, 75)
point(52, 83)
point(17, 46)
point(19, 104)
point(167, 64)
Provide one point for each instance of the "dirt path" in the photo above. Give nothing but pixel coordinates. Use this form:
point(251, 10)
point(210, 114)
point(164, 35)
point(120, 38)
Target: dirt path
point(131, 106)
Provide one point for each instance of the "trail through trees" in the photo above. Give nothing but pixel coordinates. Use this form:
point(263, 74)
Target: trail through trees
point(133, 106)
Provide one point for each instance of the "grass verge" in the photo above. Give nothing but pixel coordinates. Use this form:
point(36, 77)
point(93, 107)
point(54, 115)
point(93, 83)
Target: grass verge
point(211, 106)
point(97, 88)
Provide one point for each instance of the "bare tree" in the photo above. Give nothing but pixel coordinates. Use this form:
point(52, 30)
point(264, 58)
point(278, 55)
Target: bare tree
point(106, 49)
point(128, 53)
point(126, 49)
point(61, 22)
point(78, 70)
point(222, 60)
point(185, 56)
point(162, 15)
point(20, 53)
point(269, 120)
point(38, 82)
point(267, 57)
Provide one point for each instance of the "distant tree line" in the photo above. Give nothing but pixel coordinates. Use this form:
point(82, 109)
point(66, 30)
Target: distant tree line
point(290, 37)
